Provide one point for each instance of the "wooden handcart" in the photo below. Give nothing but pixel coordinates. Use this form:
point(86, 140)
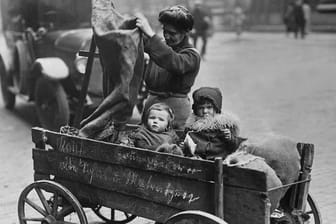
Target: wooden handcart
point(72, 173)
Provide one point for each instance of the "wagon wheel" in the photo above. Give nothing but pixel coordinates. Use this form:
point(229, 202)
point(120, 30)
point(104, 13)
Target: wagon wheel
point(120, 218)
point(194, 217)
point(312, 214)
point(51, 104)
point(48, 202)
point(6, 81)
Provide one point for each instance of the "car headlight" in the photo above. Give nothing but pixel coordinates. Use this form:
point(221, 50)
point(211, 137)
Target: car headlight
point(80, 63)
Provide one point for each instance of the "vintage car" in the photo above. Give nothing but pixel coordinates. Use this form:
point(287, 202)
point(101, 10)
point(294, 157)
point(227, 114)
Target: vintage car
point(40, 61)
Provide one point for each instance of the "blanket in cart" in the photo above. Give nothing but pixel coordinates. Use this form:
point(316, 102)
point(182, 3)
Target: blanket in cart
point(122, 58)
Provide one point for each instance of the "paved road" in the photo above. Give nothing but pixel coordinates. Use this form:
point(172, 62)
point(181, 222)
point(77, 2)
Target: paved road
point(275, 84)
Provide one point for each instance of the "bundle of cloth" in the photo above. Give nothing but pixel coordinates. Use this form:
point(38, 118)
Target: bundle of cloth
point(122, 58)
point(275, 155)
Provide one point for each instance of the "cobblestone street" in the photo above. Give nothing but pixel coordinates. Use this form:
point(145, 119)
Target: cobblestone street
point(274, 83)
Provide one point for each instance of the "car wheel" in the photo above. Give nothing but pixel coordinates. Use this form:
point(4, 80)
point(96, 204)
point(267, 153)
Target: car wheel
point(8, 97)
point(51, 104)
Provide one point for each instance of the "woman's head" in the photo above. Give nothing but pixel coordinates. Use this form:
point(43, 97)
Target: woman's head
point(158, 117)
point(177, 21)
point(207, 101)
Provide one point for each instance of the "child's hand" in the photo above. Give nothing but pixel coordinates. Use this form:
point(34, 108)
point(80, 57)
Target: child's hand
point(181, 144)
point(227, 134)
point(189, 145)
point(146, 58)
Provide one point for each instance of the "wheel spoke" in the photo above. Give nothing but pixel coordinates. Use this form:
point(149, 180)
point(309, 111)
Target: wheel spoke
point(63, 222)
point(33, 219)
point(43, 200)
point(309, 212)
point(112, 214)
point(55, 205)
point(36, 207)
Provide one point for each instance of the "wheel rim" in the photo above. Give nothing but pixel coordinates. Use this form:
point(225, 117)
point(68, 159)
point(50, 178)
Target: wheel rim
point(312, 214)
point(51, 104)
point(112, 216)
point(8, 97)
point(49, 203)
point(191, 216)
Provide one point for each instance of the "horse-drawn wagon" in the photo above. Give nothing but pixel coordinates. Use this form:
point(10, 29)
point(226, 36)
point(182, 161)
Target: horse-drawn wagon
point(72, 172)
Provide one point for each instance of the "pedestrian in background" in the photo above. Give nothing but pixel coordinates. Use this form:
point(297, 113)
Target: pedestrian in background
point(238, 20)
point(288, 18)
point(307, 16)
point(299, 19)
point(203, 27)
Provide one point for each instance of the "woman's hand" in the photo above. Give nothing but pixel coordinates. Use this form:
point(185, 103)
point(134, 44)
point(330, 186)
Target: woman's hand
point(143, 24)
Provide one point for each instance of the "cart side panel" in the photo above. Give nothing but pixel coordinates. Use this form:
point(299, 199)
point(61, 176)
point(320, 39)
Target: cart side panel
point(146, 160)
point(141, 193)
point(173, 191)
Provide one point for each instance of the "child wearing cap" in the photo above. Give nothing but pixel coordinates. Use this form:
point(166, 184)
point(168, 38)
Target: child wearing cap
point(156, 128)
point(210, 133)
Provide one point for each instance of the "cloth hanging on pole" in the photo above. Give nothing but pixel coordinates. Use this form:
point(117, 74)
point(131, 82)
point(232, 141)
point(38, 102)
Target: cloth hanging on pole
point(121, 53)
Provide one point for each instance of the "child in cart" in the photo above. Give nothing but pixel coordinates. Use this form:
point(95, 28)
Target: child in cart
point(210, 133)
point(156, 132)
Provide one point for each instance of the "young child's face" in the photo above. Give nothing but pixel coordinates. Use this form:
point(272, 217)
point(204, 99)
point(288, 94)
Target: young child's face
point(158, 120)
point(206, 109)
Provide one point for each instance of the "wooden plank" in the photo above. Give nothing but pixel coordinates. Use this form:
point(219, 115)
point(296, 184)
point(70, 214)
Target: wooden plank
point(132, 157)
point(219, 188)
point(307, 158)
point(243, 206)
point(85, 84)
point(148, 160)
point(39, 137)
point(172, 191)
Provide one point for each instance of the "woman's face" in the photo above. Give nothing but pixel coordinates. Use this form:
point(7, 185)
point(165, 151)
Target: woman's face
point(158, 120)
point(172, 36)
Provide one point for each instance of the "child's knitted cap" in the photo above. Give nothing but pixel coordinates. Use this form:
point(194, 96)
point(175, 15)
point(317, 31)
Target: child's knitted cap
point(209, 93)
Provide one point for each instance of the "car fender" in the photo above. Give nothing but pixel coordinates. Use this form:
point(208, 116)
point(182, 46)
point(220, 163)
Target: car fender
point(7, 54)
point(51, 67)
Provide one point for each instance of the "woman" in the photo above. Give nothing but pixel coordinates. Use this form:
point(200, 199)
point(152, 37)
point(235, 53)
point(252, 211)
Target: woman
point(174, 64)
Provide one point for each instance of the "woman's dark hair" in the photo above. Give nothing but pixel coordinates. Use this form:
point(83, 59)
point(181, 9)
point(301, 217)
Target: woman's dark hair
point(177, 16)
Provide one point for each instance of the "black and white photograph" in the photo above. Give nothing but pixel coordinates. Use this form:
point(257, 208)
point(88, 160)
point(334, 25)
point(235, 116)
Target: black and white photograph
point(167, 111)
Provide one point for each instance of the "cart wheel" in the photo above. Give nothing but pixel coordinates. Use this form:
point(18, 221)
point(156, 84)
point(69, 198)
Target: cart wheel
point(194, 217)
point(115, 215)
point(48, 202)
point(8, 97)
point(51, 104)
point(312, 214)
